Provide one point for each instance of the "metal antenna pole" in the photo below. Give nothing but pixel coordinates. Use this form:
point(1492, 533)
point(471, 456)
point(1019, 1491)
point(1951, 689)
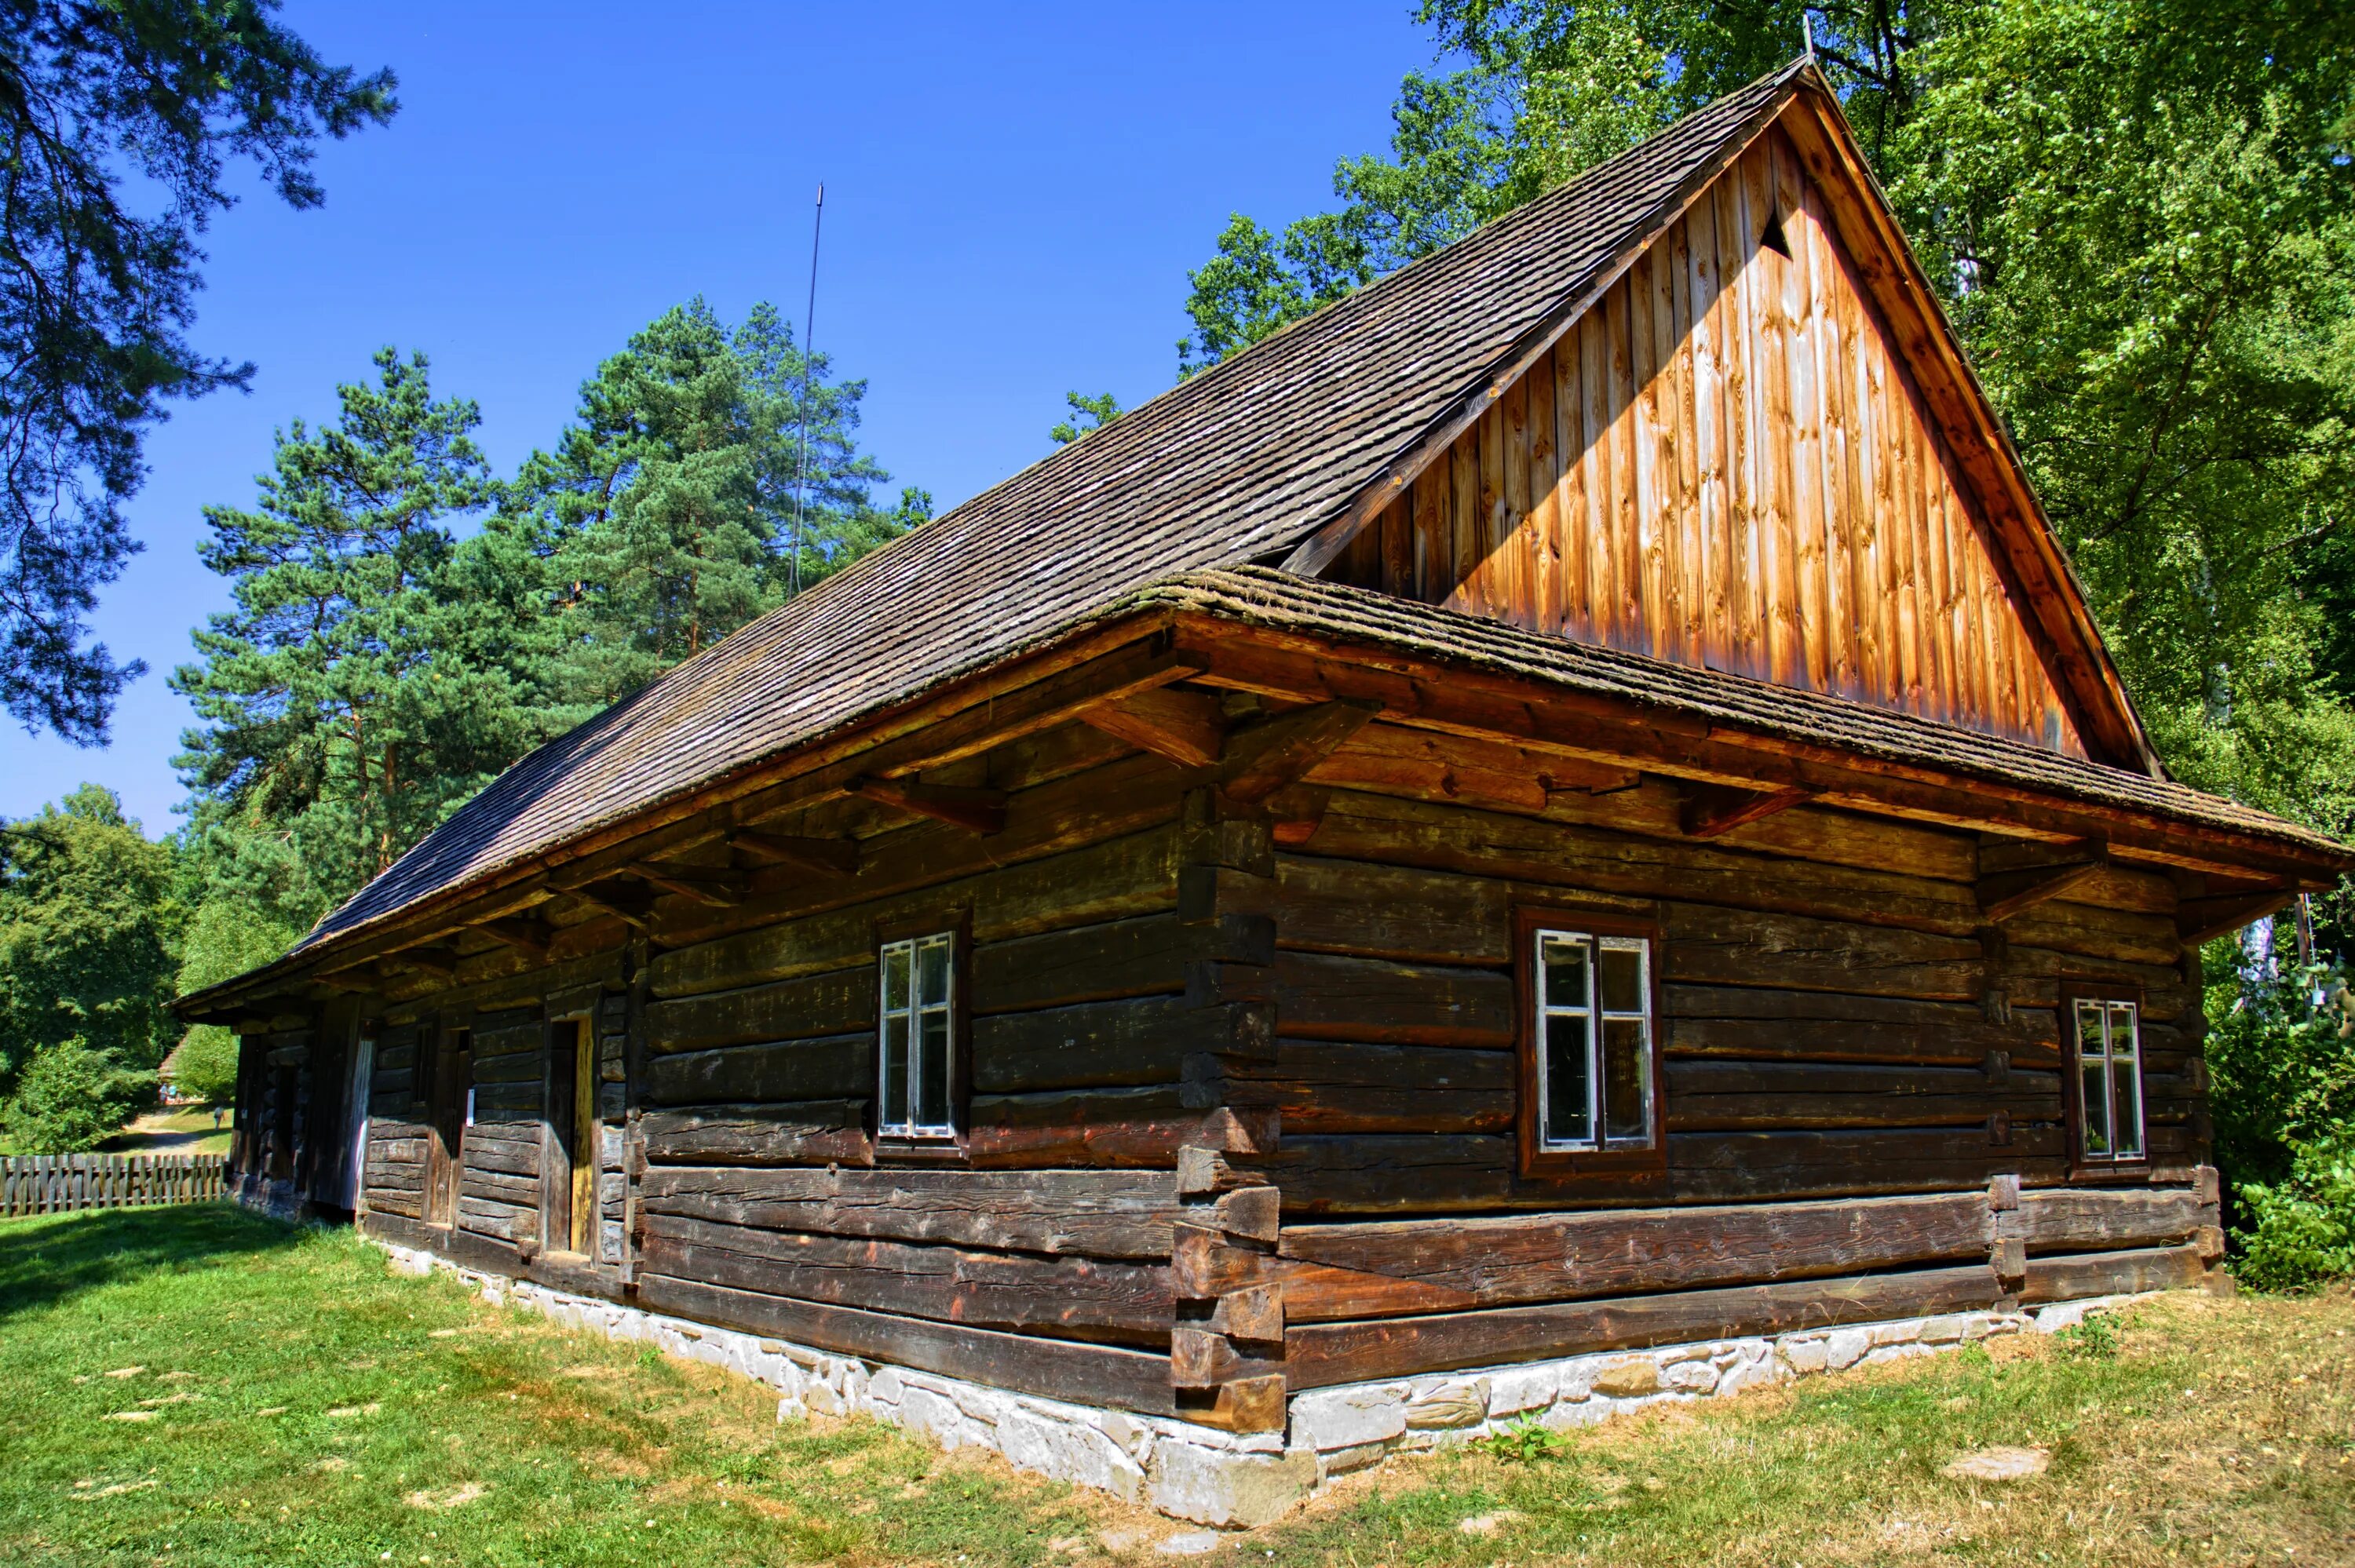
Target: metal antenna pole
point(809, 331)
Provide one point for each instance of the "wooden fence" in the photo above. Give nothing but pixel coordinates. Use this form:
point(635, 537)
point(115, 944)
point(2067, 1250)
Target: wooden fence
point(53, 1183)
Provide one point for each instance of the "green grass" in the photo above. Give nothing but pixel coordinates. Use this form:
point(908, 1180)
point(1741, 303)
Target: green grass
point(304, 1405)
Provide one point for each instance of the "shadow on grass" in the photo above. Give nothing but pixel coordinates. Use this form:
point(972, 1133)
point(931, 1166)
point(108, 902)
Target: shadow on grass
point(46, 1259)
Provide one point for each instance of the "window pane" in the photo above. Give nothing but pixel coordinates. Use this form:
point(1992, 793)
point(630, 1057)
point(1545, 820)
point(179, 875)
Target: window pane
point(1566, 1110)
point(1563, 964)
point(895, 975)
point(2124, 1112)
point(894, 1108)
point(2090, 1039)
point(1622, 979)
point(935, 959)
point(2122, 1030)
point(1623, 1072)
point(933, 1076)
point(2097, 1108)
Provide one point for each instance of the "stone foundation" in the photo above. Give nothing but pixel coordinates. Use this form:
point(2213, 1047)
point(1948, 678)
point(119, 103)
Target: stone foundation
point(1240, 1479)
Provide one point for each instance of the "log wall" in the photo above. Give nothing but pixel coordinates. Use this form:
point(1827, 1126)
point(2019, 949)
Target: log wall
point(1241, 1080)
point(1722, 463)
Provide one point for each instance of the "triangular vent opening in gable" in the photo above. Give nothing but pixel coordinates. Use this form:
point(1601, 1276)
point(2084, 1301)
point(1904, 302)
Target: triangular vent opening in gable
point(1773, 240)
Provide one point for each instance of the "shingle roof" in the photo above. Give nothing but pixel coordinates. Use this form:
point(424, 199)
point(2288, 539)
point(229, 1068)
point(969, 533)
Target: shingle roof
point(1339, 613)
point(1238, 464)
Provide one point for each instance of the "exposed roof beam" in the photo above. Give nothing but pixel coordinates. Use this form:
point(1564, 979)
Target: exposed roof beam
point(978, 810)
point(719, 890)
point(1187, 727)
point(1260, 761)
point(2015, 876)
point(634, 908)
point(1710, 810)
point(819, 857)
point(2204, 919)
point(528, 936)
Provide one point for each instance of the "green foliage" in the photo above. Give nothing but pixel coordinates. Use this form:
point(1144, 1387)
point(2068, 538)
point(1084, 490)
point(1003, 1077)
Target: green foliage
point(679, 504)
point(376, 671)
point(119, 123)
point(1088, 414)
point(2281, 1059)
point(2281, 1053)
point(225, 938)
point(2095, 1337)
point(1525, 1441)
point(2301, 1230)
point(336, 727)
point(72, 1098)
point(86, 928)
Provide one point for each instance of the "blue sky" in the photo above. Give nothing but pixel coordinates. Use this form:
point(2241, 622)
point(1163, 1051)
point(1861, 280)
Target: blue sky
point(1014, 194)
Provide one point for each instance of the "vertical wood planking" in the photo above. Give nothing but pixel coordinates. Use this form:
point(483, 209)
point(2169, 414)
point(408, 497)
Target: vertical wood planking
point(1542, 533)
point(1567, 616)
point(1722, 463)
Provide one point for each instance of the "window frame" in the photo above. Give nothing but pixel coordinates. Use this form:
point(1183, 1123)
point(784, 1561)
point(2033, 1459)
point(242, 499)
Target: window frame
point(1601, 1158)
point(2082, 1164)
point(911, 1140)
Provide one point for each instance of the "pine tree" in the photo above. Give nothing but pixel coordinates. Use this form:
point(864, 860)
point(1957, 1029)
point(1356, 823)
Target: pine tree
point(338, 726)
point(669, 513)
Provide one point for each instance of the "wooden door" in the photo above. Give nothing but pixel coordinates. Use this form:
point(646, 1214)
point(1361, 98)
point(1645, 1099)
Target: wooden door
point(453, 1075)
point(569, 1166)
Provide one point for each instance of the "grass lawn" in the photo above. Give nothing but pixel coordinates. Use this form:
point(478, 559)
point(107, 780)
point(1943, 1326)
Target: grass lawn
point(202, 1386)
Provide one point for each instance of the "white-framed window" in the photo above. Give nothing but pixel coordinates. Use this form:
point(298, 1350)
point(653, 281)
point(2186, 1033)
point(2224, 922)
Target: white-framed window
point(1593, 1039)
point(2109, 1080)
point(915, 1051)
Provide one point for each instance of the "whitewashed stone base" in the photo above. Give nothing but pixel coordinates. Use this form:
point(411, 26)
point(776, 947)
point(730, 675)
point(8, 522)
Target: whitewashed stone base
point(1237, 1480)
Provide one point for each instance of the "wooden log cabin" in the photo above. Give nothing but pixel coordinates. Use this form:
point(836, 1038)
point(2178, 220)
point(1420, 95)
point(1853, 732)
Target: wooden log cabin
point(1570, 801)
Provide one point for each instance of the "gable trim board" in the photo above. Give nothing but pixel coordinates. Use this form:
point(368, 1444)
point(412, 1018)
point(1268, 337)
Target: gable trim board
point(1974, 445)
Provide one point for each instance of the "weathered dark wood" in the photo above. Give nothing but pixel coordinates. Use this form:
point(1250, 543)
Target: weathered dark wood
point(1134, 1041)
point(1185, 726)
point(974, 810)
point(1115, 958)
point(1332, 1271)
point(1734, 1096)
point(1087, 1213)
point(1330, 997)
point(1093, 1128)
point(1135, 873)
point(1067, 1297)
point(2114, 1273)
point(795, 1132)
point(829, 1004)
point(839, 1067)
point(1706, 945)
point(2065, 1219)
point(1317, 1355)
point(1755, 1022)
point(1321, 1087)
point(1054, 1369)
